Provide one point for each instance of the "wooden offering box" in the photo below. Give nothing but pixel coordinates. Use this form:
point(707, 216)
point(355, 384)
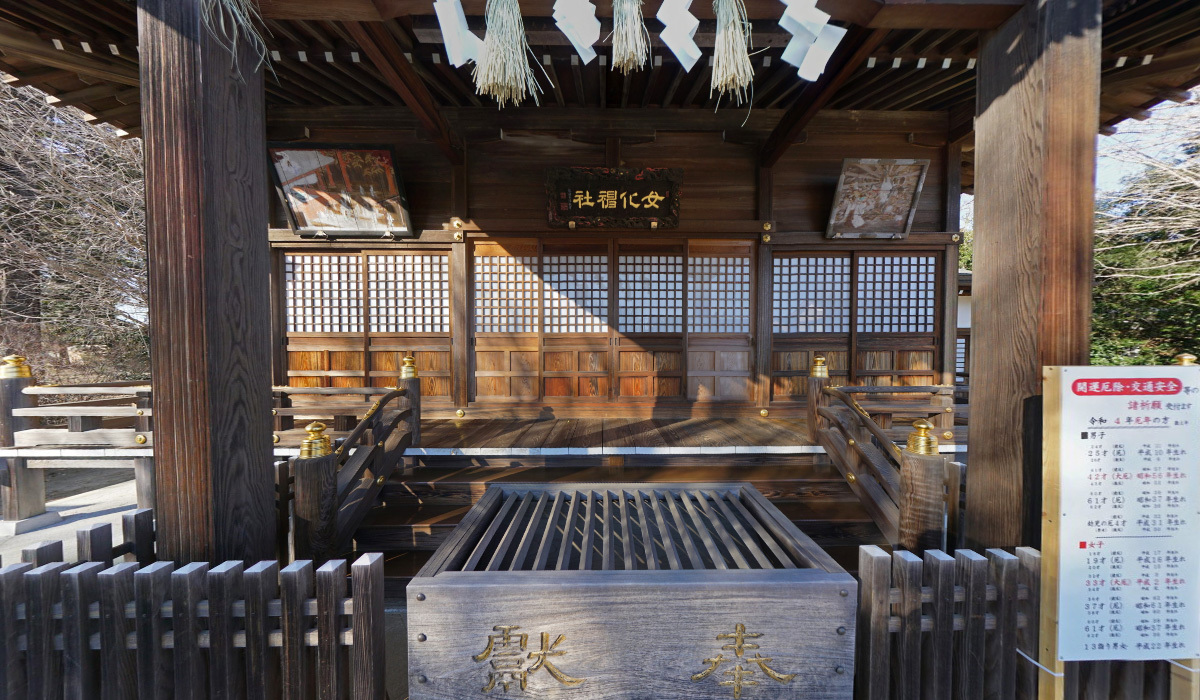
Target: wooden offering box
point(630, 591)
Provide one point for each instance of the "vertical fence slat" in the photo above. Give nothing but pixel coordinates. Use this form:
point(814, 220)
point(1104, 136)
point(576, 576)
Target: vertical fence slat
point(874, 644)
point(971, 574)
point(43, 553)
point(94, 544)
point(1029, 575)
point(367, 585)
point(1000, 682)
point(187, 590)
point(81, 674)
point(906, 671)
point(226, 673)
point(937, 653)
point(1129, 680)
point(12, 661)
point(262, 662)
point(43, 590)
point(332, 658)
point(296, 582)
point(118, 666)
point(283, 508)
point(138, 528)
point(1158, 680)
point(151, 588)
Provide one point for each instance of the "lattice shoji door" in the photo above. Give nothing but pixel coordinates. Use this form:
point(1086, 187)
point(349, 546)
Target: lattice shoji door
point(650, 314)
point(575, 354)
point(408, 302)
point(896, 308)
point(810, 315)
point(323, 319)
point(506, 295)
point(719, 284)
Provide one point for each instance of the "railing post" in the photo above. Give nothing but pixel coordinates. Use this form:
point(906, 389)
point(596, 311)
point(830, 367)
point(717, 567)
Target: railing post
point(23, 490)
point(143, 467)
point(818, 379)
point(314, 509)
point(412, 389)
point(922, 491)
point(943, 403)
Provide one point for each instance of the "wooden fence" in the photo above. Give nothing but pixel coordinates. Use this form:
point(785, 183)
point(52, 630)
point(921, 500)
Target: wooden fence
point(966, 627)
point(150, 630)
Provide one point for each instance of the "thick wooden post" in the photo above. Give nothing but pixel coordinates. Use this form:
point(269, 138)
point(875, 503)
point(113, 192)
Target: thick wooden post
point(23, 492)
point(922, 491)
point(315, 509)
point(143, 467)
point(411, 383)
point(818, 379)
point(1035, 135)
point(210, 339)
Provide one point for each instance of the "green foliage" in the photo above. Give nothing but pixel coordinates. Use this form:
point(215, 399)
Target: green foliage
point(966, 250)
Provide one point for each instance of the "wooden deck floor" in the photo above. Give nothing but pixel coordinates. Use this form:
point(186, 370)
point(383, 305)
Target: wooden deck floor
point(613, 433)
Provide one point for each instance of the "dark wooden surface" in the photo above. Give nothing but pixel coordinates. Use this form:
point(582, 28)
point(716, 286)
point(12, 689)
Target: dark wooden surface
point(206, 207)
point(614, 432)
point(25, 493)
point(1039, 81)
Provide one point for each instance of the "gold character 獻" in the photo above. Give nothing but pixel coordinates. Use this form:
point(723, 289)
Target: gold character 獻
point(508, 652)
point(742, 665)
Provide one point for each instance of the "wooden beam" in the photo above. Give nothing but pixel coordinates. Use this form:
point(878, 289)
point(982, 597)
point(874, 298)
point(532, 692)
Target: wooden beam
point(1035, 140)
point(893, 14)
point(379, 46)
point(206, 210)
point(29, 46)
point(858, 44)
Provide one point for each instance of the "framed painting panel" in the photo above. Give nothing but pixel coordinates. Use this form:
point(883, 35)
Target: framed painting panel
point(876, 198)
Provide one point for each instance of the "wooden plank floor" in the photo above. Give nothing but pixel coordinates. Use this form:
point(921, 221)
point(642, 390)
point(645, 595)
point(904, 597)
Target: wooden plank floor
point(613, 432)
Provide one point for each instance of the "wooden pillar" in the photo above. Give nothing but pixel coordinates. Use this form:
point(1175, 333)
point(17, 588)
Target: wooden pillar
point(818, 379)
point(1035, 135)
point(206, 216)
point(922, 491)
point(22, 490)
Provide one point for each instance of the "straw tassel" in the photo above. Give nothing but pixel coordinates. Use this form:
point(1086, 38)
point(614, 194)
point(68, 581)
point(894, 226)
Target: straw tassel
point(732, 72)
point(630, 40)
point(232, 20)
point(503, 69)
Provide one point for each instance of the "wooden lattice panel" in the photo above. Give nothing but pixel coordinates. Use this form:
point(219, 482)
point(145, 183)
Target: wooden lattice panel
point(409, 293)
point(897, 294)
point(323, 293)
point(718, 294)
point(650, 293)
point(811, 295)
point(506, 290)
point(575, 293)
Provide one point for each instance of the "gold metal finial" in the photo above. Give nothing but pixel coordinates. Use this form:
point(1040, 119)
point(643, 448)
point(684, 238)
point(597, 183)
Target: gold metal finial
point(767, 226)
point(819, 369)
point(460, 413)
point(317, 444)
point(15, 367)
point(1185, 359)
point(409, 370)
point(140, 439)
point(764, 413)
point(922, 442)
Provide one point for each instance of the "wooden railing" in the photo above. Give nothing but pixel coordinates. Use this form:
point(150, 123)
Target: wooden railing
point(335, 487)
point(912, 494)
point(146, 629)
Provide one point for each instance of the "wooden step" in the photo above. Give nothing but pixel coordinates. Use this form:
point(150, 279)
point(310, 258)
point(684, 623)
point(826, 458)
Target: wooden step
point(642, 460)
point(465, 485)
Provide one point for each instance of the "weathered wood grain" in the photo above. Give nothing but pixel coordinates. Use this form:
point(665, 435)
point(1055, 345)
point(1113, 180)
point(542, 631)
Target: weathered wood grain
point(13, 663)
point(81, 664)
point(206, 207)
point(118, 664)
point(24, 494)
point(226, 664)
point(367, 628)
point(152, 587)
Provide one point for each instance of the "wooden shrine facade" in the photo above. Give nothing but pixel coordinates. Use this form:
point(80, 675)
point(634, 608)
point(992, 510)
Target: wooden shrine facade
point(505, 315)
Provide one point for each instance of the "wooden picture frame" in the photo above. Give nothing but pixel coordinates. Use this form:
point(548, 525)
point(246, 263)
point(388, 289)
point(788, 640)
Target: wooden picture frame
point(340, 190)
point(876, 197)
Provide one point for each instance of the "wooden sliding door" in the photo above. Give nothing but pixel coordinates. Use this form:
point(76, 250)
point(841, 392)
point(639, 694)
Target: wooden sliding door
point(810, 316)
point(649, 337)
point(575, 338)
point(350, 317)
point(719, 282)
point(507, 303)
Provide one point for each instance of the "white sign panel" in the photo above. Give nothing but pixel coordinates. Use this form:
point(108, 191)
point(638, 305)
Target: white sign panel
point(1129, 460)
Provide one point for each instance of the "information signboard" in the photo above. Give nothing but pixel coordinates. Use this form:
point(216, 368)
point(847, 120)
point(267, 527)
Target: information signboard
point(1122, 511)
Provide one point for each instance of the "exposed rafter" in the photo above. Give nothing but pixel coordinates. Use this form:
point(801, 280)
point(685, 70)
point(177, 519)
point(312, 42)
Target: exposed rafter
point(20, 43)
point(388, 58)
point(854, 49)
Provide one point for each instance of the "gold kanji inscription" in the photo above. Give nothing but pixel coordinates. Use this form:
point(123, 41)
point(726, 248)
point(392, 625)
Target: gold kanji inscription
point(740, 674)
point(507, 653)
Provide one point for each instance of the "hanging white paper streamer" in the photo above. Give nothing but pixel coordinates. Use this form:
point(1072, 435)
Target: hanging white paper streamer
point(813, 38)
point(461, 43)
point(679, 31)
point(577, 20)
point(818, 56)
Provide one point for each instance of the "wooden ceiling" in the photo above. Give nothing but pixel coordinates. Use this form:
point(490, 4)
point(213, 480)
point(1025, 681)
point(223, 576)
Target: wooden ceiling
point(83, 53)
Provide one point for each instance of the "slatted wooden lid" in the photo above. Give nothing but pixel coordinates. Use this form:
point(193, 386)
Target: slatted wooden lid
point(630, 527)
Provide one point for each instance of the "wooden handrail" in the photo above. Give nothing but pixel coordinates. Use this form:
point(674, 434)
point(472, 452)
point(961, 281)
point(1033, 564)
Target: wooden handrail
point(864, 420)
